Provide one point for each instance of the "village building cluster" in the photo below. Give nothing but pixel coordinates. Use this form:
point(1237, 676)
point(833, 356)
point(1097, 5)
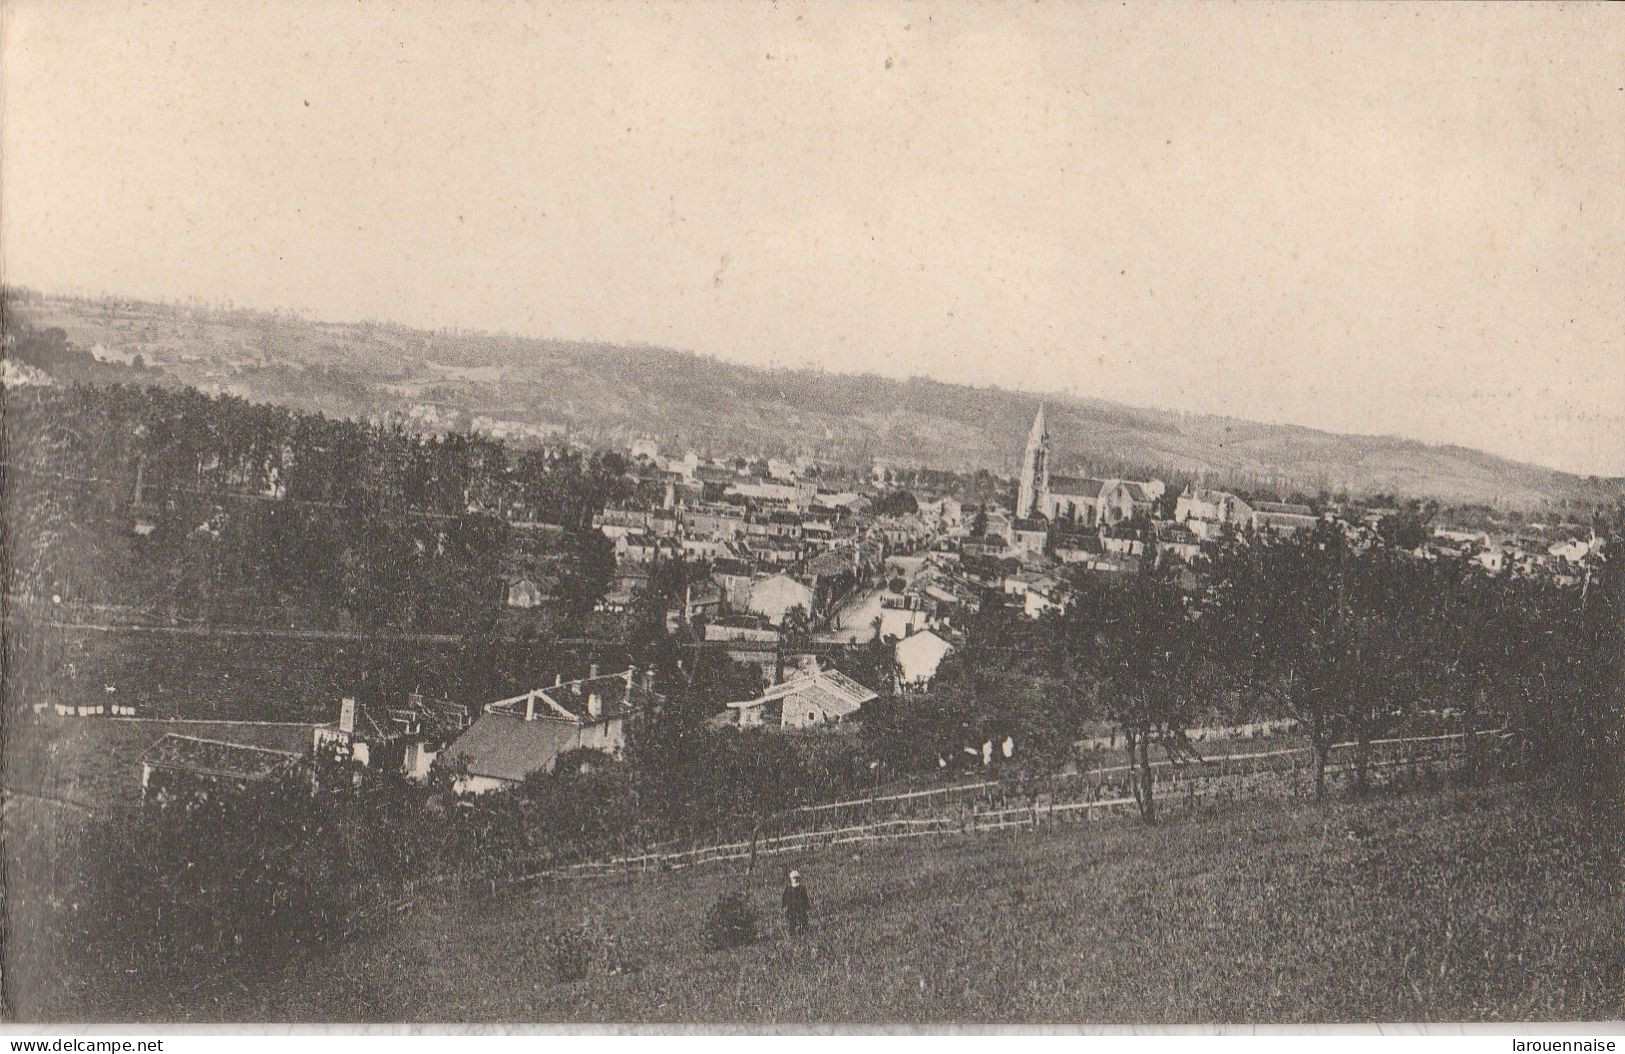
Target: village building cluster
point(792, 564)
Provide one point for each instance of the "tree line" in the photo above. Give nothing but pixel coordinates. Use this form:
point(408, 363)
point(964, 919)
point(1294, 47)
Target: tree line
point(215, 509)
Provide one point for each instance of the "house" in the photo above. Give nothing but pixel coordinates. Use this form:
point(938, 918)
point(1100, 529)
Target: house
point(902, 615)
point(637, 548)
point(405, 738)
point(180, 766)
point(1078, 548)
point(1122, 540)
point(1282, 518)
point(702, 600)
point(808, 698)
point(776, 595)
point(767, 493)
point(785, 525)
point(713, 520)
point(998, 525)
point(527, 733)
point(840, 500)
point(1044, 594)
point(1573, 550)
point(617, 520)
point(918, 656)
point(734, 576)
point(945, 513)
point(737, 628)
point(1028, 537)
point(1177, 540)
point(524, 593)
point(1210, 513)
point(697, 549)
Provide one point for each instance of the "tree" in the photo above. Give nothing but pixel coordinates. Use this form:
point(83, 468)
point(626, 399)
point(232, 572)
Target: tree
point(1334, 636)
point(795, 628)
point(1139, 644)
point(1276, 615)
point(717, 679)
point(588, 570)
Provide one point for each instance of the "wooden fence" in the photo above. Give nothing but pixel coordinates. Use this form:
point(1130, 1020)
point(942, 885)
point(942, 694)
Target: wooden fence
point(985, 805)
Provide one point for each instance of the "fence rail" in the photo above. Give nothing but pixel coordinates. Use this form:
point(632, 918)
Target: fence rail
point(1187, 788)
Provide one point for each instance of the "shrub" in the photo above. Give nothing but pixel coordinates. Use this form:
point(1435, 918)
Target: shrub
point(569, 953)
point(574, 952)
point(731, 923)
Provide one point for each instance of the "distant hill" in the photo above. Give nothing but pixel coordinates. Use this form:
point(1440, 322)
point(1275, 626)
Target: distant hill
point(601, 393)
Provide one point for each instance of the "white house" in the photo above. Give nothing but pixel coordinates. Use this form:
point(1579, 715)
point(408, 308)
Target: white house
point(524, 593)
point(1207, 513)
point(1044, 594)
point(899, 617)
point(805, 699)
point(918, 656)
point(774, 596)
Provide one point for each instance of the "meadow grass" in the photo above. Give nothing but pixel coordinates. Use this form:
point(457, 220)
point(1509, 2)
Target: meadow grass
point(1484, 904)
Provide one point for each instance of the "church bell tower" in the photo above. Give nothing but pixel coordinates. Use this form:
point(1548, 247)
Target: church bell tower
point(1034, 470)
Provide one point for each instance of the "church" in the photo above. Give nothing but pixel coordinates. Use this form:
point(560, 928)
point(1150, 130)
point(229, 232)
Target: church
point(1084, 502)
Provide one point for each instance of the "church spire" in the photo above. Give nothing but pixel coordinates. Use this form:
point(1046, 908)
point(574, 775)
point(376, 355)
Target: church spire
point(1034, 487)
point(1040, 432)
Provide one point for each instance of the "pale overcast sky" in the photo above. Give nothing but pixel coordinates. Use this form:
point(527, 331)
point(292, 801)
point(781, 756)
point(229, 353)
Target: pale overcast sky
point(1365, 218)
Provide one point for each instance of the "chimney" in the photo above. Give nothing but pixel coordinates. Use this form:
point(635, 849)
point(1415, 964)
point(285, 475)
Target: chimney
point(592, 671)
point(530, 705)
point(558, 679)
point(595, 705)
point(347, 714)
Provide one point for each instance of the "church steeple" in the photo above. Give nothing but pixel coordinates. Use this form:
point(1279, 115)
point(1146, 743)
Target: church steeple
point(1034, 469)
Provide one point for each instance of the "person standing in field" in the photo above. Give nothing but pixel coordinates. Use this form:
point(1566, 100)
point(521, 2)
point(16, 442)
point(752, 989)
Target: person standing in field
point(797, 904)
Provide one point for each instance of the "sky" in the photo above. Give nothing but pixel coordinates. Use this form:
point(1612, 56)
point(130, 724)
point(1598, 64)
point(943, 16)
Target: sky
point(1369, 218)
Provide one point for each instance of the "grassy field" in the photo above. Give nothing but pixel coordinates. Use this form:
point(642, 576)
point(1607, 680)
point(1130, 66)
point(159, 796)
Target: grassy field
point(1484, 904)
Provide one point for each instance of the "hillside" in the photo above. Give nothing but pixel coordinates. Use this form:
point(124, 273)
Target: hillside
point(597, 393)
point(1492, 904)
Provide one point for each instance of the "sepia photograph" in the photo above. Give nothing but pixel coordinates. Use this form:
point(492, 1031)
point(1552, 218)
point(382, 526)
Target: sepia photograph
point(811, 517)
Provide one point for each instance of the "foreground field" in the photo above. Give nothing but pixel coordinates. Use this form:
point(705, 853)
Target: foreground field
point(1485, 904)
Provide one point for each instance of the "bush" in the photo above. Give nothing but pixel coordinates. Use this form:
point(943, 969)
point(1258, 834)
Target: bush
point(569, 952)
point(731, 923)
point(573, 951)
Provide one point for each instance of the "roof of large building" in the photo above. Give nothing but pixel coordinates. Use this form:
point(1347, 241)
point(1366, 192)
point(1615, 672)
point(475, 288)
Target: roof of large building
point(831, 563)
point(1088, 543)
point(505, 747)
point(618, 694)
point(1076, 486)
point(825, 687)
point(1283, 508)
point(213, 757)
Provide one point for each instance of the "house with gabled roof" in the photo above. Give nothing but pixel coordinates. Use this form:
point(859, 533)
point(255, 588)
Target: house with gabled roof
point(527, 733)
point(918, 655)
point(816, 695)
point(776, 595)
point(180, 766)
point(1211, 513)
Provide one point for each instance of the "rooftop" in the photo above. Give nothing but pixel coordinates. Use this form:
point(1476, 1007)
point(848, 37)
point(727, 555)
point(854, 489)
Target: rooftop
point(214, 757)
